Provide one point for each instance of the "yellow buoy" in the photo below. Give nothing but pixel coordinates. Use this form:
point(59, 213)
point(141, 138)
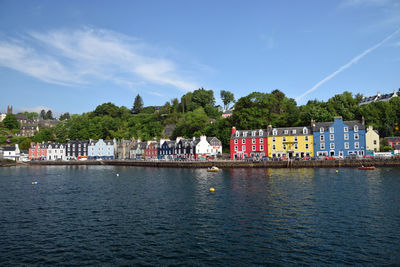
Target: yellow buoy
point(337, 171)
point(212, 189)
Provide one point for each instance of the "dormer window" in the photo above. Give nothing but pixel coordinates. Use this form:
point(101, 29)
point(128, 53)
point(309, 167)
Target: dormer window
point(244, 134)
point(237, 134)
point(260, 133)
point(321, 130)
point(293, 131)
point(355, 128)
point(305, 131)
point(274, 132)
point(286, 131)
point(253, 133)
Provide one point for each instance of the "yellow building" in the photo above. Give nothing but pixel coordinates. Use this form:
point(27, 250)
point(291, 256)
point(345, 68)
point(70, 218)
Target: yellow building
point(290, 142)
point(372, 139)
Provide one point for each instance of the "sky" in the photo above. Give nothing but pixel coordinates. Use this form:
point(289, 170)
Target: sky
point(70, 56)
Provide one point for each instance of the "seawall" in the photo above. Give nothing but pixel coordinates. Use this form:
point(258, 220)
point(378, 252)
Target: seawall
point(234, 164)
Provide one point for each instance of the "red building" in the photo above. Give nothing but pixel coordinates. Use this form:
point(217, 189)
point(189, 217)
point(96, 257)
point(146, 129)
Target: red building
point(249, 144)
point(394, 142)
point(151, 151)
point(37, 151)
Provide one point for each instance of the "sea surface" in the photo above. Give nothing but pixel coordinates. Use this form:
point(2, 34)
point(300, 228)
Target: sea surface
point(112, 216)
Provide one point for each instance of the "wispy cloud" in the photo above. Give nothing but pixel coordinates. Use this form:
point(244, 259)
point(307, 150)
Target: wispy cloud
point(347, 65)
point(81, 57)
point(357, 3)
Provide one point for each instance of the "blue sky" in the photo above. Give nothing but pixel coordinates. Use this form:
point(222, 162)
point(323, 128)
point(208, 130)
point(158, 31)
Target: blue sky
point(74, 55)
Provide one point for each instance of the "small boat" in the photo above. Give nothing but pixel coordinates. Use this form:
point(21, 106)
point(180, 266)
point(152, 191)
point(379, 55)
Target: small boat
point(366, 168)
point(213, 169)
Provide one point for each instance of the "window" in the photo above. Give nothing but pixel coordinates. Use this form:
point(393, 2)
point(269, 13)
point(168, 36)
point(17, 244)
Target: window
point(286, 131)
point(254, 148)
point(284, 139)
point(305, 131)
point(237, 134)
point(261, 147)
point(331, 130)
point(260, 133)
point(356, 136)
point(273, 139)
point(243, 141)
point(332, 145)
point(306, 138)
point(295, 138)
point(253, 141)
point(293, 131)
point(274, 132)
point(236, 141)
point(322, 146)
point(346, 145)
point(261, 140)
point(331, 137)
point(306, 146)
point(345, 129)
point(321, 138)
point(284, 146)
point(321, 130)
point(243, 148)
point(374, 142)
point(355, 128)
point(295, 146)
point(244, 134)
point(346, 136)
point(253, 133)
point(356, 145)
point(273, 147)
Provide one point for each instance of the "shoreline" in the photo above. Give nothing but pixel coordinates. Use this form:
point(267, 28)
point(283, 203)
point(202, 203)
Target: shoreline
point(351, 163)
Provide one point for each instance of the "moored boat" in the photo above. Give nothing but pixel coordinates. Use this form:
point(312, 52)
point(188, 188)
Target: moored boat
point(213, 169)
point(366, 168)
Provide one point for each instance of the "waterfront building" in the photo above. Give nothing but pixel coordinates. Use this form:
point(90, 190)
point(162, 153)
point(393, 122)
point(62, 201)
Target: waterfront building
point(339, 138)
point(124, 148)
point(185, 148)
point(101, 149)
point(379, 97)
point(394, 142)
point(206, 147)
point(76, 149)
point(289, 142)
point(371, 140)
point(37, 151)
point(1, 152)
point(151, 150)
point(28, 130)
point(137, 150)
point(22, 118)
point(11, 152)
point(55, 151)
point(167, 149)
point(249, 144)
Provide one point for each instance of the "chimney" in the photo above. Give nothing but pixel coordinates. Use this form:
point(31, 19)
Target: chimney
point(378, 94)
point(370, 128)
point(312, 123)
point(179, 138)
point(269, 128)
point(362, 120)
point(233, 129)
point(194, 138)
point(203, 138)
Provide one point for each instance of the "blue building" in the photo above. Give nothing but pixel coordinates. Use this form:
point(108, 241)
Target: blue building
point(102, 149)
point(339, 138)
point(167, 150)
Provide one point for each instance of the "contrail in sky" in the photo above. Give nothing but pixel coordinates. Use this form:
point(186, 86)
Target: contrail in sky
point(347, 65)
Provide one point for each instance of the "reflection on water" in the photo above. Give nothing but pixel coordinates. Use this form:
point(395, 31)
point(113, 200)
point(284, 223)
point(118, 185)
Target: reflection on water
point(89, 215)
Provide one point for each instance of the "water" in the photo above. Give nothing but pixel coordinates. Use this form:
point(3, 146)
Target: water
point(87, 215)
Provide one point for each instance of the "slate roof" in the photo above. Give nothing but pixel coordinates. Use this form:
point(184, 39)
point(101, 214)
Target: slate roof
point(214, 139)
point(326, 125)
point(392, 138)
point(290, 131)
point(21, 117)
point(379, 97)
point(8, 148)
point(257, 134)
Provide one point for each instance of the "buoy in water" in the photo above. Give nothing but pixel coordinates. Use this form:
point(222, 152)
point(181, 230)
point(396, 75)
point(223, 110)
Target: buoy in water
point(35, 182)
point(212, 189)
point(337, 171)
point(117, 174)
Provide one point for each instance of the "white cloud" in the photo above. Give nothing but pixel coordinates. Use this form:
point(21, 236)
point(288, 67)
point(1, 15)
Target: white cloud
point(347, 65)
point(357, 3)
point(83, 56)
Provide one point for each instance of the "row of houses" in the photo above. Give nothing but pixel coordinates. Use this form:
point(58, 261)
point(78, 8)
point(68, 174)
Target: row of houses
point(334, 139)
point(195, 149)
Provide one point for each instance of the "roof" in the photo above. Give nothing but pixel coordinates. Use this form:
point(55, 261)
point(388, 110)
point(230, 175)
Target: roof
point(21, 117)
point(289, 131)
point(9, 148)
point(378, 97)
point(213, 139)
point(392, 138)
point(248, 133)
point(326, 125)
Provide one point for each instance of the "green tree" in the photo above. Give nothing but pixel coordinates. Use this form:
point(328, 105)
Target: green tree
point(25, 144)
point(49, 115)
point(227, 98)
point(43, 114)
point(11, 122)
point(193, 124)
point(137, 104)
point(202, 97)
point(65, 116)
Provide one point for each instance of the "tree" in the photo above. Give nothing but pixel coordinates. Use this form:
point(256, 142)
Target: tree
point(193, 124)
point(25, 144)
point(49, 115)
point(43, 114)
point(65, 116)
point(202, 97)
point(227, 98)
point(137, 104)
point(11, 122)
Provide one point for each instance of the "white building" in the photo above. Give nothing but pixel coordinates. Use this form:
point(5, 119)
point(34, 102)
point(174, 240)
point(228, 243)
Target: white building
point(2, 116)
point(206, 147)
point(11, 152)
point(102, 149)
point(55, 151)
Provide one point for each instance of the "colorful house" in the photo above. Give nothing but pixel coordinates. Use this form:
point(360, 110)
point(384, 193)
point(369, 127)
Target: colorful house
point(76, 149)
point(124, 147)
point(55, 151)
point(137, 151)
point(11, 152)
point(248, 144)
point(394, 142)
point(167, 150)
point(37, 151)
point(371, 140)
point(290, 142)
point(339, 138)
point(151, 150)
point(102, 149)
point(185, 149)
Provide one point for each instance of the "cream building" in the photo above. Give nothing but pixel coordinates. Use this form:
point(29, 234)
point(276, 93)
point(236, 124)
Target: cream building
point(372, 139)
